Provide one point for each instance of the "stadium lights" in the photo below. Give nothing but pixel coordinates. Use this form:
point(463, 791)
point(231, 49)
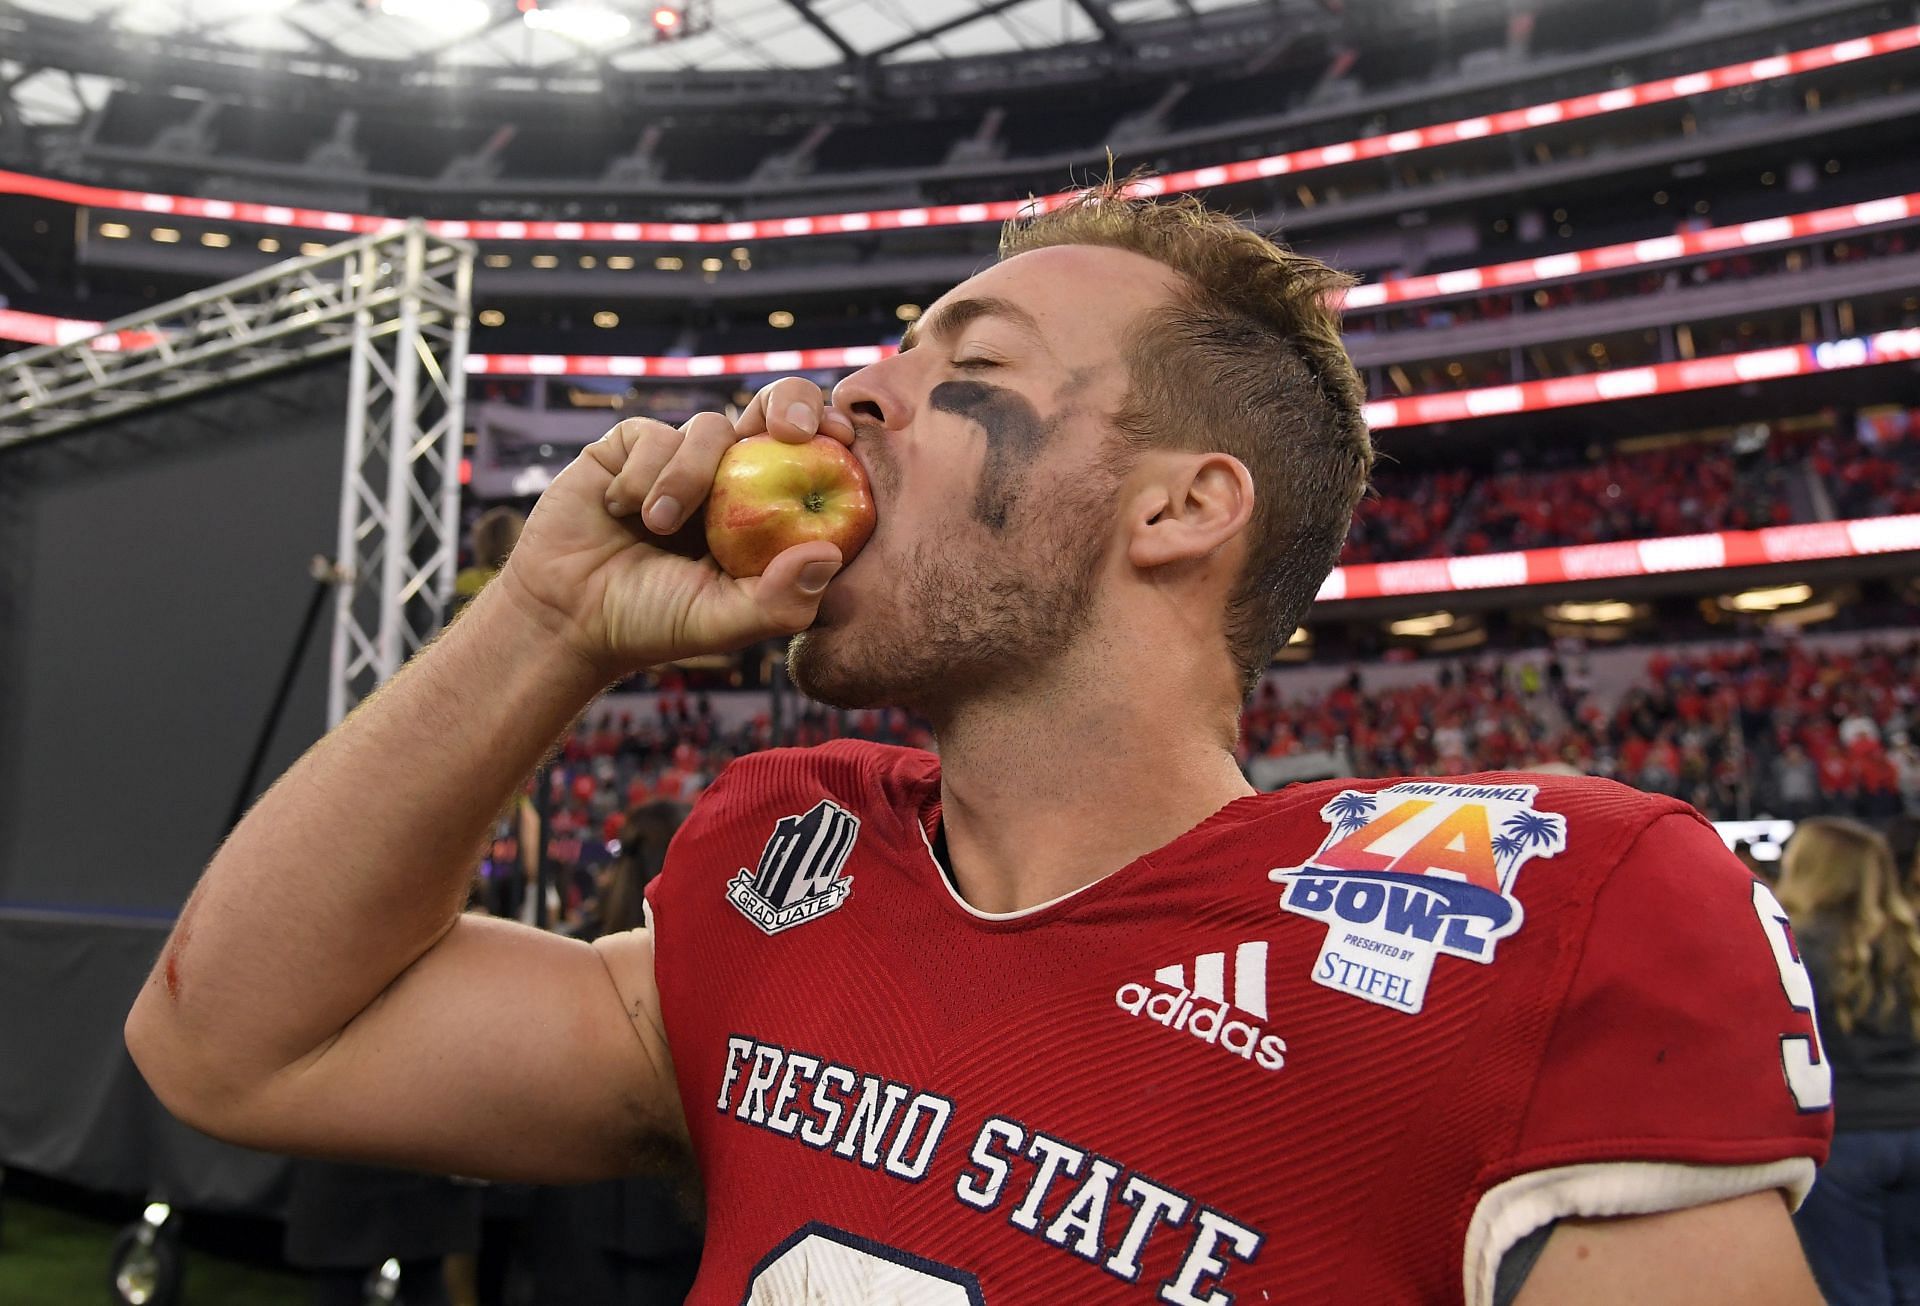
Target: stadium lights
point(453, 16)
point(606, 318)
point(619, 262)
point(492, 317)
point(268, 245)
point(780, 319)
point(165, 235)
point(115, 230)
point(1604, 613)
point(215, 239)
point(1770, 599)
point(587, 24)
point(668, 263)
point(1422, 627)
point(907, 312)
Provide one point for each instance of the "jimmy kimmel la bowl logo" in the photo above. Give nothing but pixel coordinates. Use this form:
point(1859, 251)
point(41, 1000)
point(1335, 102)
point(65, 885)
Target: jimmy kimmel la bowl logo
point(798, 878)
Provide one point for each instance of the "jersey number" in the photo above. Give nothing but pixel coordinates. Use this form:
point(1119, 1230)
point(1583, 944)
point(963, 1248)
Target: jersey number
point(1809, 1077)
point(819, 1265)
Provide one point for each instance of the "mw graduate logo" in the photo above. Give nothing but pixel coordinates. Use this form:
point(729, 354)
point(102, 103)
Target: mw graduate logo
point(798, 878)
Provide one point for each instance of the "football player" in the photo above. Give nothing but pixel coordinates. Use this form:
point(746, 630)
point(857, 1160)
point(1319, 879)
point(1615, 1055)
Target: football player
point(1068, 1013)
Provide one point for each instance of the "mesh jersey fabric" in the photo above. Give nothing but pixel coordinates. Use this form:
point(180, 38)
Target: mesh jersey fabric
point(1203, 1078)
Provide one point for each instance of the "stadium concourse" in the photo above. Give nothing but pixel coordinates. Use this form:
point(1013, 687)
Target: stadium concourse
point(1636, 307)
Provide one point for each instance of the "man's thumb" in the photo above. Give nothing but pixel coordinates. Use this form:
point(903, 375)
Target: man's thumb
point(789, 591)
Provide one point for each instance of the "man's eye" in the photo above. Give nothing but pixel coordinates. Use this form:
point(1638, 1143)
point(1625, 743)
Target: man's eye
point(975, 362)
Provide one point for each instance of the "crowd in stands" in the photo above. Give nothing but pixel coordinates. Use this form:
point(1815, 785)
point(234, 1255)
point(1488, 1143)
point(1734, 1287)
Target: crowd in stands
point(1742, 730)
point(1878, 473)
point(1753, 477)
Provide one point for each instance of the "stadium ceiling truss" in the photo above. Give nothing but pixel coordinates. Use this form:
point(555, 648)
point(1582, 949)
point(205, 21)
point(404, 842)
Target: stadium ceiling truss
point(217, 44)
point(398, 305)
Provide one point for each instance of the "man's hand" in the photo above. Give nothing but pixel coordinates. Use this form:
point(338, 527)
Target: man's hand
point(605, 563)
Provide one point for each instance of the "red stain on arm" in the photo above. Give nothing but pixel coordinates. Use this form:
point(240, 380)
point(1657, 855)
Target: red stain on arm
point(176, 948)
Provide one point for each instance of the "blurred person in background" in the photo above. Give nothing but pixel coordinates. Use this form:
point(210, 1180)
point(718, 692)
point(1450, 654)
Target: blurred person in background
point(1856, 931)
point(491, 539)
point(643, 851)
point(643, 1232)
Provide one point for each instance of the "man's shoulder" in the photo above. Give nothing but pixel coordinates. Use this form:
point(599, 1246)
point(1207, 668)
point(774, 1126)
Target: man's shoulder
point(855, 773)
point(1506, 818)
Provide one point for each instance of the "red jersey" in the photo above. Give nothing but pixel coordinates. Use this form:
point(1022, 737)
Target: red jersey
point(1347, 1041)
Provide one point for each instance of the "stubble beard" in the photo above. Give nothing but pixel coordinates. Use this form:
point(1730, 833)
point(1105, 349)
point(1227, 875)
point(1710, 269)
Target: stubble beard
point(964, 627)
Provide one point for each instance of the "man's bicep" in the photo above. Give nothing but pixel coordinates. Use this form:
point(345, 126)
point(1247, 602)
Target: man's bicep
point(1741, 1252)
point(504, 1052)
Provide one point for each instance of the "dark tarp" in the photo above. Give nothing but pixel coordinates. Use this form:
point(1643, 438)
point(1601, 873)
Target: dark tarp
point(72, 1104)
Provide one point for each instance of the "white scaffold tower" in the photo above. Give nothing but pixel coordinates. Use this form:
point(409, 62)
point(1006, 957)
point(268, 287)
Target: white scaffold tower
point(398, 303)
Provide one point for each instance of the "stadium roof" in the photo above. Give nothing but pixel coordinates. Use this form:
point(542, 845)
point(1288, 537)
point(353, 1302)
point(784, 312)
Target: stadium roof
point(756, 35)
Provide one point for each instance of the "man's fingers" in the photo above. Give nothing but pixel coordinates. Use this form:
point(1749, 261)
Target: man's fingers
point(637, 449)
point(682, 485)
point(793, 408)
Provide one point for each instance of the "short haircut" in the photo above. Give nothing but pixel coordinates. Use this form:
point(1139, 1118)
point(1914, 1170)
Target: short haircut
point(1246, 361)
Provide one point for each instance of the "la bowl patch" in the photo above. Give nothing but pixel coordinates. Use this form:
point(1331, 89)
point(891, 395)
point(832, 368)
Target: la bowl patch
point(1413, 871)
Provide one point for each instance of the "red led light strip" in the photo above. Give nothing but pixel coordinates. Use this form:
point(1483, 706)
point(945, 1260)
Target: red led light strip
point(38, 329)
point(1723, 549)
point(1600, 103)
point(1637, 253)
point(1657, 379)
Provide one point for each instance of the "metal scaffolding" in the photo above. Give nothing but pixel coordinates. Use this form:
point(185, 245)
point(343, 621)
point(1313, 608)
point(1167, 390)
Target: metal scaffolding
point(398, 303)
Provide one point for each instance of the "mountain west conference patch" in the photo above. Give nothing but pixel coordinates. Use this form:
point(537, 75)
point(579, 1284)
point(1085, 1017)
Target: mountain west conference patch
point(798, 878)
point(1413, 871)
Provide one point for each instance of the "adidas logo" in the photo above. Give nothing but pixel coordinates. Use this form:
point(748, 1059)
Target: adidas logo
point(1202, 1009)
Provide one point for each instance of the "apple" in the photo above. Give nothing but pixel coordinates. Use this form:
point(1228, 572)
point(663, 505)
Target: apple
point(769, 495)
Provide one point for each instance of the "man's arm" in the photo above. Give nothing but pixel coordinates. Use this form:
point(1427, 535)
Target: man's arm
point(1741, 1252)
point(322, 992)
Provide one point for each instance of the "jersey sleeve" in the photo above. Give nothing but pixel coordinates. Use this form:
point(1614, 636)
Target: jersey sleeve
point(1684, 1065)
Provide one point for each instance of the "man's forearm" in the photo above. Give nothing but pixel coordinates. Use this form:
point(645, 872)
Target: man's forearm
point(357, 860)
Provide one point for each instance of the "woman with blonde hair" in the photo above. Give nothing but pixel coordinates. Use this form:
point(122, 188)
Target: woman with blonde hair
point(1856, 930)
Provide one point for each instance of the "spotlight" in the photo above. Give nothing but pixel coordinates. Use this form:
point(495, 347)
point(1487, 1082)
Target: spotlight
point(452, 16)
point(144, 1265)
point(667, 21)
point(587, 24)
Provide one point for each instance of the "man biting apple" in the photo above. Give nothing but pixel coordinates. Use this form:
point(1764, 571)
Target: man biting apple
point(875, 1003)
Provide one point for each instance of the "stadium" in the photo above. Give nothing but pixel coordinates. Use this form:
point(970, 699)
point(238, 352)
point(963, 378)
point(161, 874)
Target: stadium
point(312, 312)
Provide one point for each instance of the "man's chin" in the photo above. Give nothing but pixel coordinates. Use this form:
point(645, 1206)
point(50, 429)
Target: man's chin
point(824, 663)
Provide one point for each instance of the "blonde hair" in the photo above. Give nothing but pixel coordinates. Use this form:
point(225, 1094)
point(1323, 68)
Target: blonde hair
point(1247, 362)
point(1843, 872)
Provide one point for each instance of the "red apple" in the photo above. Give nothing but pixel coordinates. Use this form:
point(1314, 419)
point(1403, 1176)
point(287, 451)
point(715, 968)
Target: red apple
point(769, 495)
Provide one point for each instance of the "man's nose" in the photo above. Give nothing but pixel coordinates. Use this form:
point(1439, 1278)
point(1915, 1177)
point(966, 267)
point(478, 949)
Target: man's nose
point(873, 395)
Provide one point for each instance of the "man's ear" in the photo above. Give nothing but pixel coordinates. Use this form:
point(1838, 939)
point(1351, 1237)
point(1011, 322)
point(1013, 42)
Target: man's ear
point(1190, 506)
